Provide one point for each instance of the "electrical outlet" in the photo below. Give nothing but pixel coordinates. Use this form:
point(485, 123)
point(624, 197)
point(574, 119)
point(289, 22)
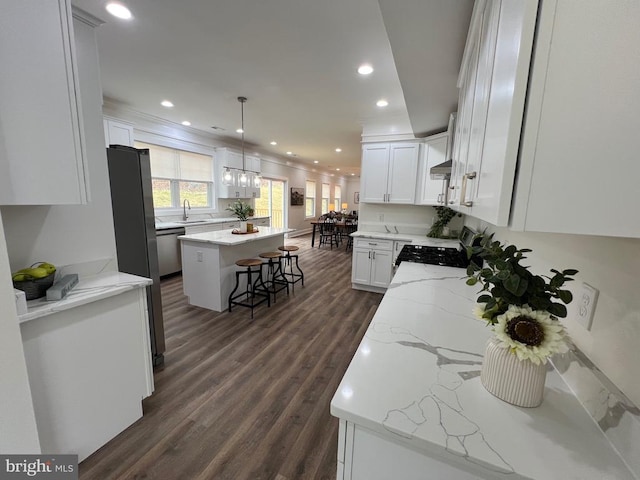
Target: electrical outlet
point(381, 217)
point(587, 299)
point(199, 256)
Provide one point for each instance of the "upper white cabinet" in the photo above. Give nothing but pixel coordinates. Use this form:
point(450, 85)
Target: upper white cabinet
point(579, 165)
point(432, 152)
point(42, 157)
point(493, 82)
point(388, 172)
point(233, 160)
point(117, 132)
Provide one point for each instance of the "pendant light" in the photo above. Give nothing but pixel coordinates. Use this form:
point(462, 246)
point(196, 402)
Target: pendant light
point(243, 178)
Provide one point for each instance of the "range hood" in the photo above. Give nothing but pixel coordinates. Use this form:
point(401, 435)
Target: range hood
point(441, 171)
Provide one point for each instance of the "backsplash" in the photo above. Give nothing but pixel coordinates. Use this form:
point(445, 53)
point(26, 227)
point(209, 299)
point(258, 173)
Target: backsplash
point(414, 219)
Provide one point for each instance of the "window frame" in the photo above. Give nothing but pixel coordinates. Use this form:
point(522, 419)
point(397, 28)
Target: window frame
point(312, 199)
point(175, 144)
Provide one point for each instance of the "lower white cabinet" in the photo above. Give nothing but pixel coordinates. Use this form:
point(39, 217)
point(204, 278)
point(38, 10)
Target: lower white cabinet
point(89, 368)
point(367, 455)
point(372, 264)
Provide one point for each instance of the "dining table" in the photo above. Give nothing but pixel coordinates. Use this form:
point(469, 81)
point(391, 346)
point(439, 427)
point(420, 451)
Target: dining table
point(338, 223)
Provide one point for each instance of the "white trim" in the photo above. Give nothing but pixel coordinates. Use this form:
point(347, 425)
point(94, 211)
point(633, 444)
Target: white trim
point(86, 17)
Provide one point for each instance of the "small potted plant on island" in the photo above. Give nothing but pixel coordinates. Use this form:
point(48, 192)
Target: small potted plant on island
point(523, 311)
point(243, 211)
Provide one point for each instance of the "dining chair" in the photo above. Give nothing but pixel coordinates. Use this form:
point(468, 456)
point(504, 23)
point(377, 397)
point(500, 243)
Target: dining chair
point(350, 226)
point(328, 233)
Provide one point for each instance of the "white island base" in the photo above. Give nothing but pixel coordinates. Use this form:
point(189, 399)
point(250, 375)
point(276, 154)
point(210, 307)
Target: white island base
point(208, 262)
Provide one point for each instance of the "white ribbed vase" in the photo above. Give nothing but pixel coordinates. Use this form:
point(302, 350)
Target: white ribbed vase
point(519, 382)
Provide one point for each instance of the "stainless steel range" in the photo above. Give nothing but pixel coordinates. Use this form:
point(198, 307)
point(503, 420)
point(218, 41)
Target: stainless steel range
point(447, 256)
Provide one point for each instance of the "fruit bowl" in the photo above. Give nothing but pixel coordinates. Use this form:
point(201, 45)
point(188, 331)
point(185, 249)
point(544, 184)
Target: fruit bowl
point(36, 287)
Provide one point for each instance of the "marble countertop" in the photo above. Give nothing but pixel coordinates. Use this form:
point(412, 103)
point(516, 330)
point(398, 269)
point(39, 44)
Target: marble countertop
point(195, 222)
point(415, 377)
point(408, 237)
point(87, 290)
point(225, 237)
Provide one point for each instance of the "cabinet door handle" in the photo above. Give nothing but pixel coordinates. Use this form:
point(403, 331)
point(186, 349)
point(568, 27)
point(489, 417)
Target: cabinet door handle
point(372, 243)
point(463, 189)
point(369, 254)
point(374, 255)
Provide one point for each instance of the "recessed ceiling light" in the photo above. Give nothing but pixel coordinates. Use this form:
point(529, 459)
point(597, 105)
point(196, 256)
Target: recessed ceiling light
point(166, 103)
point(382, 103)
point(365, 69)
point(239, 130)
point(352, 174)
point(338, 150)
point(289, 153)
point(274, 143)
point(332, 175)
point(337, 169)
point(118, 10)
point(186, 123)
point(316, 161)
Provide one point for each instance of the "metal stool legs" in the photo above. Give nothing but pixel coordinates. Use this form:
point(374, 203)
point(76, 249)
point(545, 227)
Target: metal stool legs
point(254, 289)
point(276, 281)
point(290, 275)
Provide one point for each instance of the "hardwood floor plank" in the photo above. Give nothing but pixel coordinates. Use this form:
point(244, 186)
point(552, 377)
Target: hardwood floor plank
point(241, 399)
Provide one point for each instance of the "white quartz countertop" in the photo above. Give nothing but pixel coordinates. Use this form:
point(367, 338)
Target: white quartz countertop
point(225, 237)
point(408, 237)
point(86, 291)
point(415, 377)
point(195, 222)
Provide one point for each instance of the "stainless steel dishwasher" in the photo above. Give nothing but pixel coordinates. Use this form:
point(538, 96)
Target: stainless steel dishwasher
point(169, 255)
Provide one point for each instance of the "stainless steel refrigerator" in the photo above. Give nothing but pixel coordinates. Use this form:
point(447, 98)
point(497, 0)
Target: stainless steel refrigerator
point(134, 223)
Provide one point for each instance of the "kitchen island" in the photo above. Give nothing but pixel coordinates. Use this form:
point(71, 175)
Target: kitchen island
point(208, 262)
point(411, 404)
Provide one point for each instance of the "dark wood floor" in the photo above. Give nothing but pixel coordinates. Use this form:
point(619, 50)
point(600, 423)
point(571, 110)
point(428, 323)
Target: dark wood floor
point(241, 399)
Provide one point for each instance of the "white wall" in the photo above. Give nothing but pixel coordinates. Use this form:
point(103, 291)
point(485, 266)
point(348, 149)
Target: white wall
point(18, 433)
point(609, 264)
point(70, 234)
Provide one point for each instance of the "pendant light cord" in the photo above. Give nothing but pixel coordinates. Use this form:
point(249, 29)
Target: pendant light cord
point(242, 100)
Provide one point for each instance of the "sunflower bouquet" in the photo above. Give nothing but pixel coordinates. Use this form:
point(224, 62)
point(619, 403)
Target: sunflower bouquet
point(523, 308)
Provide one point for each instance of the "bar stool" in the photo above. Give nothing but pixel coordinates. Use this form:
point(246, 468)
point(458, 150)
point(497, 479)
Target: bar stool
point(276, 281)
point(291, 277)
point(254, 289)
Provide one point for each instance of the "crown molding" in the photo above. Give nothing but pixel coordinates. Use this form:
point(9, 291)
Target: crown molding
point(86, 17)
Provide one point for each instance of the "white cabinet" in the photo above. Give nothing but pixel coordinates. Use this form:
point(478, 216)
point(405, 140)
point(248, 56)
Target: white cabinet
point(388, 172)
point(493, 82)
point(117, 132)
point(432, 152)
point(233, 160)
point(371, 264)
point(367, 455)
point(579, 170)
point(42, 145)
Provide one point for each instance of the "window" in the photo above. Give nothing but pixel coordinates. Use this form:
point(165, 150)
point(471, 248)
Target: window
point(338, 198)
point(326, 193)
point(310, 199)
point(178, 175)
point(271, 202)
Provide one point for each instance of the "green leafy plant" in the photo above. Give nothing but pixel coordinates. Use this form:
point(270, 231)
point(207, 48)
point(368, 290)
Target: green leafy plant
point(507, 282)
point(444, 214)
point(241, 210)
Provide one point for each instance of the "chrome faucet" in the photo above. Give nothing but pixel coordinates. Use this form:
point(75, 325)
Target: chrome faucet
point(184, 209)
point(396, 229)
point(388, 231)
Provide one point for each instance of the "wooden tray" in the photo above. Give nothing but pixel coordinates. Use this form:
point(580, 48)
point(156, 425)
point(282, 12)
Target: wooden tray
point(237, 232)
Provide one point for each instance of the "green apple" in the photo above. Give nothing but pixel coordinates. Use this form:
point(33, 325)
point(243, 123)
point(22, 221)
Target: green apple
point(21, 277)
point(50, 268)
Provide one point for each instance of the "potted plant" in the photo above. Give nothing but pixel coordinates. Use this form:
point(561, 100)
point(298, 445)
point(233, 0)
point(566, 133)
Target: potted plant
point(523, 310)
point(444, 216)
point(243, 211)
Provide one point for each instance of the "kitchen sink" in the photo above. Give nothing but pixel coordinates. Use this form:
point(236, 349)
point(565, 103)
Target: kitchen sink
point(187, 222)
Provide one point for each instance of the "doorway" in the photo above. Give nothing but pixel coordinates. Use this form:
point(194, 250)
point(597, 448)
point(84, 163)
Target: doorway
point(271, 201)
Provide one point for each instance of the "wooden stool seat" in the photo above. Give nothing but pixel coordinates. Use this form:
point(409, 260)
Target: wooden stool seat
point(288, 248)
point(270, 255)
point(248, 262)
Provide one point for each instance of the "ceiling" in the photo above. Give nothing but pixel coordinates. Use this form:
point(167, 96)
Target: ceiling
point(295, 61)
